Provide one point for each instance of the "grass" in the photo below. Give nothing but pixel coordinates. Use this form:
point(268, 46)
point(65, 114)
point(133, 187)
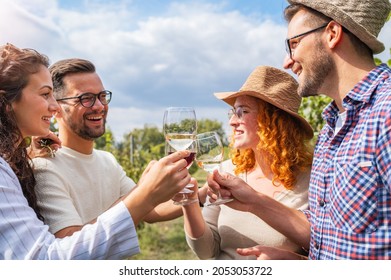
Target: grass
point(164, 241)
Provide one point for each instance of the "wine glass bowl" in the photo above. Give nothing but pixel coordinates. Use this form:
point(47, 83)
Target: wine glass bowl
point(210, 151)
point(210, 154)
point(180, 130)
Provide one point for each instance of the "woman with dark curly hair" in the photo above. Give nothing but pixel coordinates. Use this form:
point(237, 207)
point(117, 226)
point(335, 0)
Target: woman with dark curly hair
point(271, 151)
point(14, 123)
point(26, 107)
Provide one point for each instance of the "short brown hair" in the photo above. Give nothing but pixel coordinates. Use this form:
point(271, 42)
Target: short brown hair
point(64, 67)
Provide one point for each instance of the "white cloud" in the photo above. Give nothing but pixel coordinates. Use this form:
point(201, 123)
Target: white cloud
point(178, 57)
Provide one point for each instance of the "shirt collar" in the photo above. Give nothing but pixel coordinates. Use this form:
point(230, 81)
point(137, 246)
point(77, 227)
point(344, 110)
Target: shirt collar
point(362, 91)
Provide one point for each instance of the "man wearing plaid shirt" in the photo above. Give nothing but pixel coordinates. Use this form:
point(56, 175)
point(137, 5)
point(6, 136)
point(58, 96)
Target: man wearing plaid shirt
point(330, 48)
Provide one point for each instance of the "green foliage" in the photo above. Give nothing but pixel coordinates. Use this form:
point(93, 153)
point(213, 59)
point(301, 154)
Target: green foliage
point(311, 109)
point(106, 142)
point(205, 125)
point(139, 148)
point(183, 127)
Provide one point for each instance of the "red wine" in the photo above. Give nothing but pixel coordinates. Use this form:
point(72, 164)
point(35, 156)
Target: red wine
point(189, 158)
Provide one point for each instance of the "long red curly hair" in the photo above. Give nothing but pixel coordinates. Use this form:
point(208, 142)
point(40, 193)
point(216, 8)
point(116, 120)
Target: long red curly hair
point(283, 138)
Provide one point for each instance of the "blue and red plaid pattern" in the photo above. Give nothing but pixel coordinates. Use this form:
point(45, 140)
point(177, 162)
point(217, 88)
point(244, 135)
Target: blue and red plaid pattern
point(350, 186)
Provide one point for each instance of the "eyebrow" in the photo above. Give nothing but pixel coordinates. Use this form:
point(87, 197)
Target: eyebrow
point(47, 86)
point(242, 106)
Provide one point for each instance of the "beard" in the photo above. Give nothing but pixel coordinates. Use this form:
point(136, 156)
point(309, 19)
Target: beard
point(84, 131)
point(320, 65)
point(88, 133)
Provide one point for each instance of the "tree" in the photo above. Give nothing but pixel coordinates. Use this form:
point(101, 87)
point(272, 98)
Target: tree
point(311, 109)
point(205, 125)
point(106, 141)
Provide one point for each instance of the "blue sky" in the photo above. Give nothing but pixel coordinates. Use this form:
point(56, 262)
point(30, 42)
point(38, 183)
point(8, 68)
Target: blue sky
point(154, 54)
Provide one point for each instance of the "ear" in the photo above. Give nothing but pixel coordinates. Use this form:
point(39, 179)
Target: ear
point(334, 34)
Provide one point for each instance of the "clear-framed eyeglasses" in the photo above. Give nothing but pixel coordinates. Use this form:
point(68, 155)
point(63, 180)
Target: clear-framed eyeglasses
point(238, 112)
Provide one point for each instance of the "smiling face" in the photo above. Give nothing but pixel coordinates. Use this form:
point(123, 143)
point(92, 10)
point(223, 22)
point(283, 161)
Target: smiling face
point(36, 105)
point(76, 120)
point(310, 60)
point(245, 128)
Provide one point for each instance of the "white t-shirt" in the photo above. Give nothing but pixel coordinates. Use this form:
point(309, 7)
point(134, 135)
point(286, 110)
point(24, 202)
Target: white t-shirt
point(340, 122)
point(73, 188)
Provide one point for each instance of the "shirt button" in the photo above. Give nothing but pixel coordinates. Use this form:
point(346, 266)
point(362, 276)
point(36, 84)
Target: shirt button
point(316, 245)
point(321, 203)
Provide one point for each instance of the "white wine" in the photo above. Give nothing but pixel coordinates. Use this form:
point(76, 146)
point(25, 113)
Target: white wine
point(180, 142)
point(209, 166)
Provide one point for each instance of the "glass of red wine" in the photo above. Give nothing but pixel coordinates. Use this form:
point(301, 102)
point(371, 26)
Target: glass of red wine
point(180, 130)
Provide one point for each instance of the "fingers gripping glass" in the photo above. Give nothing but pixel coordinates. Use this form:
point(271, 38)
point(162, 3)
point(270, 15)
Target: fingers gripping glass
point(88, 99)
point(291, 45)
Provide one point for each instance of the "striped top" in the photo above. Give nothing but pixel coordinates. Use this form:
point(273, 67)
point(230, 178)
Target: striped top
point(24, 236)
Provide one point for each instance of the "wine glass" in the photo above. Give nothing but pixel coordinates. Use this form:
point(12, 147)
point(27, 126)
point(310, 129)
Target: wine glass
point(210, 154)
point(180, 130)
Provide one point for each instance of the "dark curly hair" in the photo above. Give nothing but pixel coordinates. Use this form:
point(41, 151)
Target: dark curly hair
point(16, 66)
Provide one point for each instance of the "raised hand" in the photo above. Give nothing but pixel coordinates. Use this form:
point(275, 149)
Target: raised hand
point(159, 183)
point(44, 146)
point(231, 186)
point(269, 253)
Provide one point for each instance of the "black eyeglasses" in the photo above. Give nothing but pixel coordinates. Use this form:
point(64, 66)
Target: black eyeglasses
point(88, 99)
point(291, 46)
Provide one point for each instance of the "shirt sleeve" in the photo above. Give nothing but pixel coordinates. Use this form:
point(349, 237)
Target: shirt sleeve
point(383, 150)
point(23, 236)
point(207, 246)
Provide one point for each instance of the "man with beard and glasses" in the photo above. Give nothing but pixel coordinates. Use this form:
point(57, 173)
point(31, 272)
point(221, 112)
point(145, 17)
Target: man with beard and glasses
point(79, 183)
point(330, 47)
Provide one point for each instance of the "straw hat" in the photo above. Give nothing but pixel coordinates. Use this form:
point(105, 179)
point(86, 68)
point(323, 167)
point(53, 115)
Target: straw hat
point(363, 18)
point(273, 86)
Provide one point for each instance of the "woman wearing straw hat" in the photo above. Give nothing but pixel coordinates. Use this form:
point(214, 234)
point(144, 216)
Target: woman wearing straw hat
point(271, 152)
point(330, 47)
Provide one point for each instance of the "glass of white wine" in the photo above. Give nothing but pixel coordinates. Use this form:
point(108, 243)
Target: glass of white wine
point(180, 130)
point(210, 154)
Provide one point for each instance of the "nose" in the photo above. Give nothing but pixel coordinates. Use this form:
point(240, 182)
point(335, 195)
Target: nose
point(97, 104)
point(288, 62)
point(53, 105)
point(233, 121)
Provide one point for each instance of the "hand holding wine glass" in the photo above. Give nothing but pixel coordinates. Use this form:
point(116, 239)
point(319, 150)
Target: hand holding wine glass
point(210, 154)
point(180, 130)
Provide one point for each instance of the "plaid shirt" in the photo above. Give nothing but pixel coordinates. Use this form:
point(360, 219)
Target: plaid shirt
point(350, 186)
